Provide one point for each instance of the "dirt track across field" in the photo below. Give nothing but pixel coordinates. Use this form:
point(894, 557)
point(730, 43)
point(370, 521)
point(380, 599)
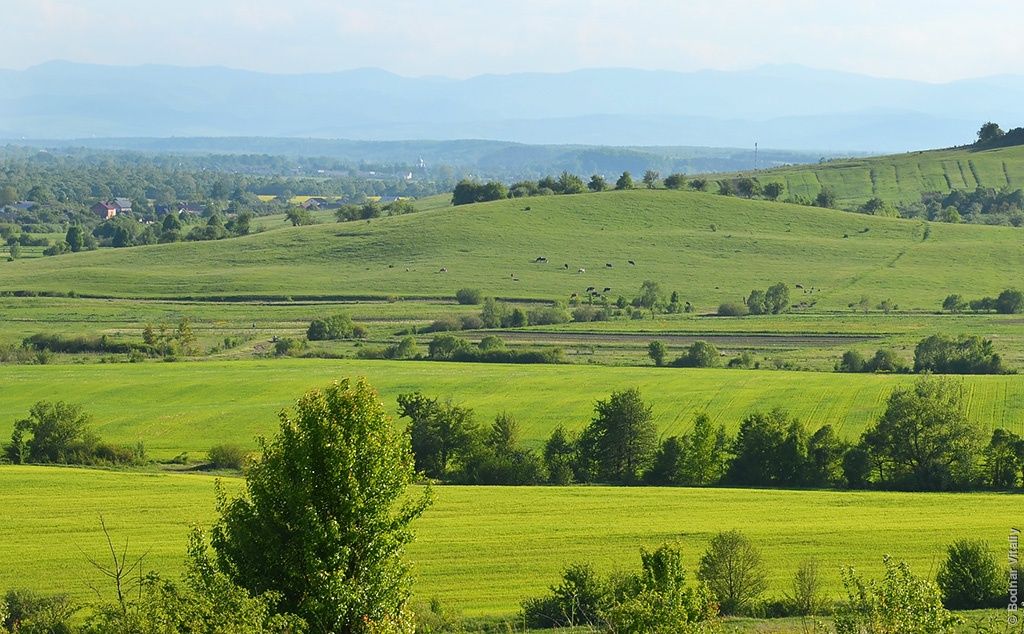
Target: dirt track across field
point(730, 341)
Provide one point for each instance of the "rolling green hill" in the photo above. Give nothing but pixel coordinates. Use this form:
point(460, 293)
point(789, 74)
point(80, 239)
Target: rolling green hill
point(710, 248)
point(904, 177)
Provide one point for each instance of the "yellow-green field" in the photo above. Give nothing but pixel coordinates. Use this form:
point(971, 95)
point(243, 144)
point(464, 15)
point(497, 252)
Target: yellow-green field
point(484, 549)
point(175, 407)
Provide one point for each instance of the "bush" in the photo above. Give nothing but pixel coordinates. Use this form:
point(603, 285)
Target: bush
point(806, 597)
point(732, 309)
point(227, 456)
point(732, 569)
point(29, 613)
point(700, 354)
point(852, 361)
point(548, 315)
point(469, 296)
point(970, 578)
point(900, 602)
point(444, 347)
point(448, 323)
point(967, 354)
point(657, 601)
point(1009, 302)
point(404, 349)
point(334, 327)
point(287, 347)
point(590, 313)
point(578, 600)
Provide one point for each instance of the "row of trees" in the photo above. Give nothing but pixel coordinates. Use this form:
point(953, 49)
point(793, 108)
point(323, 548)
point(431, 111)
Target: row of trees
point(1010, 301)
point(937, 354)
point(923, 441)
point(469, 191)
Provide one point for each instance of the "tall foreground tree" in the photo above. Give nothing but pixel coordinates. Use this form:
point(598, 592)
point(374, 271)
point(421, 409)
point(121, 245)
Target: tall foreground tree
point(325, 516)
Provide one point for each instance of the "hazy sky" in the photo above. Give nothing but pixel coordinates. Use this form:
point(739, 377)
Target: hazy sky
point(932, 40)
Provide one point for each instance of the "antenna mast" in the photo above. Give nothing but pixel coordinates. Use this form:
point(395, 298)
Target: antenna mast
point(755, 156)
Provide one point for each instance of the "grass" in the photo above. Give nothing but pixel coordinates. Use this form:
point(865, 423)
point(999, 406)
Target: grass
point(709, 248)
point(484, 549)
point(904, 177)
point(176, 407)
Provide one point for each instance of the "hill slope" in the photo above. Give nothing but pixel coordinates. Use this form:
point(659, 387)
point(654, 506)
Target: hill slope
point(904, 177)
point(710, 248)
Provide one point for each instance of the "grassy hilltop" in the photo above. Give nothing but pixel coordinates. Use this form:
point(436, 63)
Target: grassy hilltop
point(904, 177)
point(709, 248)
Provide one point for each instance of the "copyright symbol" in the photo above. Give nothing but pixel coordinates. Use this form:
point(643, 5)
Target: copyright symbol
point(1011, 619)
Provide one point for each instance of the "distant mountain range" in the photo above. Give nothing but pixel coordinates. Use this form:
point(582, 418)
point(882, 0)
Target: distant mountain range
point(788, 107)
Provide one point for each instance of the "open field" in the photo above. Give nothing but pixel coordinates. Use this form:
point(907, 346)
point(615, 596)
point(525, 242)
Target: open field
point(484, 549)
point(798, 340)
point(904, 177)
point(175, 407)
point(709, 248)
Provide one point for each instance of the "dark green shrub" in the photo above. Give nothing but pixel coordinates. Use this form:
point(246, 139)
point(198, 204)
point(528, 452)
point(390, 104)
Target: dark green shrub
point(468, 296)
point(578, 600)
point(26, 612)
point(287, 347)
point(334, 327)
point(700, 354)
point(732, 309)
point(970, 578)
point(227, 456)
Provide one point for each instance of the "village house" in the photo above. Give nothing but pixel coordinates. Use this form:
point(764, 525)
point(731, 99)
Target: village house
point(107, 209)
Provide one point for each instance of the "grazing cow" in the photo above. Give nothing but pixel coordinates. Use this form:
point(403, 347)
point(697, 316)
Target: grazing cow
point(566, 266)
point(541, 259)
point(391, 266)
point(608, 264)
point(444, 269)
point(606, 289)
point(573, 296)
point(581, 270)
point(799, 285)
point(590, 289)
point(631, 262)
point(515, 279)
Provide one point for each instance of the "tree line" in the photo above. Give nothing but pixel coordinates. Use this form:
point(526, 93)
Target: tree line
point(922, 441)
point(937, 354)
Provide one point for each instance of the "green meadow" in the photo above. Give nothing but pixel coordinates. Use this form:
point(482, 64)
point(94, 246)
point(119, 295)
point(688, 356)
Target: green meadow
point(904, 177)
point(709, 248)
point(482, 550)
point(189, 407)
